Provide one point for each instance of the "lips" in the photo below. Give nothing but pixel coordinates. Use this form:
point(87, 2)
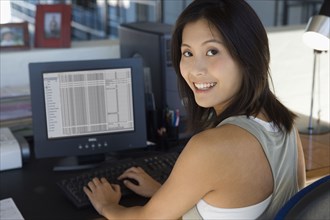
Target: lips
point(204, 86)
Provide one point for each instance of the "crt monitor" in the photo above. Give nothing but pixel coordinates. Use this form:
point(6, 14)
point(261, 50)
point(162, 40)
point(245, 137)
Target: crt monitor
point(90, 107)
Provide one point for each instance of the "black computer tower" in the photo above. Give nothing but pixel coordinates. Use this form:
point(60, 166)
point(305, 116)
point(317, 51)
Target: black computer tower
point(151, 42)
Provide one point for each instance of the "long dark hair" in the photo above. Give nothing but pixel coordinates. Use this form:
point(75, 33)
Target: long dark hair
point(247, 41)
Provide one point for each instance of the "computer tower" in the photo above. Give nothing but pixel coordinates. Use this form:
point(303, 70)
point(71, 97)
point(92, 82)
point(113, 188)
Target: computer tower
point(151, 41)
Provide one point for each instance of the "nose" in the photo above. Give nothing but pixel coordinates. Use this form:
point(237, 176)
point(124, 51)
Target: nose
point(199, 67)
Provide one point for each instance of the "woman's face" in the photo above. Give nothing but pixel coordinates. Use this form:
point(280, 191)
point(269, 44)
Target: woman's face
point(207, 66)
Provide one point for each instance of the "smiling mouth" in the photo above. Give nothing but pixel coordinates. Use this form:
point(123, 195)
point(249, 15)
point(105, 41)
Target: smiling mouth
point(204, 86)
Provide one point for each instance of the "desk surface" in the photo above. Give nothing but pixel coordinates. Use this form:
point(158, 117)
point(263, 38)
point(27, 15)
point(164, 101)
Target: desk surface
point(34, 191)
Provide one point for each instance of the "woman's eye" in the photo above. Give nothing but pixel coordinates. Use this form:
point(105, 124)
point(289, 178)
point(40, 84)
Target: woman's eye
point(187, 54)
point(211, 52)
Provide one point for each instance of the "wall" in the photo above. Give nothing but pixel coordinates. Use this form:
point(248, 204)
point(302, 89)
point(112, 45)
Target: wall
point(292, 72)
point(14, 64)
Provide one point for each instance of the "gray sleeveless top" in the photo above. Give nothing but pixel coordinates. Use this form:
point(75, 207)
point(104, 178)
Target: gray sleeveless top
point(281, 152)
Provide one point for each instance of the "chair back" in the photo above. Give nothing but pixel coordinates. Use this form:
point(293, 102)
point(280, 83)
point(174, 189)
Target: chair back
point(311, 202)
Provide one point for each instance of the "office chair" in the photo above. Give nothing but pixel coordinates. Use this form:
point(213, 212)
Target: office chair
point(311, 202)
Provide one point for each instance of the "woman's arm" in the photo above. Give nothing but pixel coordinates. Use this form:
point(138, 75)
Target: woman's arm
point(187, 184)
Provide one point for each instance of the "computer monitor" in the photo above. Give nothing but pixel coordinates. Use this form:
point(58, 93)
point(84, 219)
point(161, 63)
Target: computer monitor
point(89, 107)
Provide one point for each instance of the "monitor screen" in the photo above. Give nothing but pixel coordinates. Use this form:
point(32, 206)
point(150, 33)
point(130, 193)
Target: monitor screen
point(87, 107)
point(88, 101)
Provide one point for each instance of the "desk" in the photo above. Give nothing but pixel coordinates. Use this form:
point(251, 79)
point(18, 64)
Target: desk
point(316, 151)
point(34, 190)
point(317, 155)
point(36, 194)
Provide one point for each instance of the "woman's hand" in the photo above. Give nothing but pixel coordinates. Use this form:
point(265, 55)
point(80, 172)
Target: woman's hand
point(146, 186)
point(102, 194)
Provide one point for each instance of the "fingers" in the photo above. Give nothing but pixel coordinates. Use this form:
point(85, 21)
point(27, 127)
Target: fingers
point(101, 193)
point(96, 182)
point(116, 187)
point(137, 180)
point(131, 186)
point(87, 191)
point(133, 172)
point(104, 180)
point(93, 183)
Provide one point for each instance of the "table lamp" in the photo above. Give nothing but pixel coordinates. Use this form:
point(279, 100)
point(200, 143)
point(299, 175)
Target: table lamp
point(317, 37)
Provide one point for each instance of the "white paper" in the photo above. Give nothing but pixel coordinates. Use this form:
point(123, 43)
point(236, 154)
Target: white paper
point(9, 210)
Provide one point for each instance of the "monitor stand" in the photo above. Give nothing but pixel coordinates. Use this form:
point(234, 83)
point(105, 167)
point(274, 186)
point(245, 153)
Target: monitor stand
point(79, 162)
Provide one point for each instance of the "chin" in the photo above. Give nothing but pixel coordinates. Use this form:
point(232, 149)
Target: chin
point(203, 104)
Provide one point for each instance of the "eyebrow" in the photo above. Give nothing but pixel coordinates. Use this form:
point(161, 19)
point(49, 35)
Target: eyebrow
point(205, 42)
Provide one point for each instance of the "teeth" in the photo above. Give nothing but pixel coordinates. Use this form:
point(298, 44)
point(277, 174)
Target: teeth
point(204, 86)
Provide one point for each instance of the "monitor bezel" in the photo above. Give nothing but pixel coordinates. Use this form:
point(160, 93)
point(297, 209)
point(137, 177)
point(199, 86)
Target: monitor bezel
point(71, 146)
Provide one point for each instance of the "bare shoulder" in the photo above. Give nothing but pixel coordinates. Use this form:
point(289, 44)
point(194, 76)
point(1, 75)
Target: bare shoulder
point(228, 148)
point(236, 162)
point(225, 139)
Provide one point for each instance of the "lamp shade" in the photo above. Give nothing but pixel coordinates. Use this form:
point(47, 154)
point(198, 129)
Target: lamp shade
point(317, 33)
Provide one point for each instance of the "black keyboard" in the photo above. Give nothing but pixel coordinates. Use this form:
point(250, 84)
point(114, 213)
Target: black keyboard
point(158, 166)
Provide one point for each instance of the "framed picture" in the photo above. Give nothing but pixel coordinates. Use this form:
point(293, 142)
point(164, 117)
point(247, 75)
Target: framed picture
point(53, 26)
point(14, 36)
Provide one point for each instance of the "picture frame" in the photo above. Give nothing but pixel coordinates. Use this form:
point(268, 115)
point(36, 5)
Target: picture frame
point(53, 26)
point(14, 36)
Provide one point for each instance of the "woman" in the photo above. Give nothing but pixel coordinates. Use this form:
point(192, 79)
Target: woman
point(245, 160)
